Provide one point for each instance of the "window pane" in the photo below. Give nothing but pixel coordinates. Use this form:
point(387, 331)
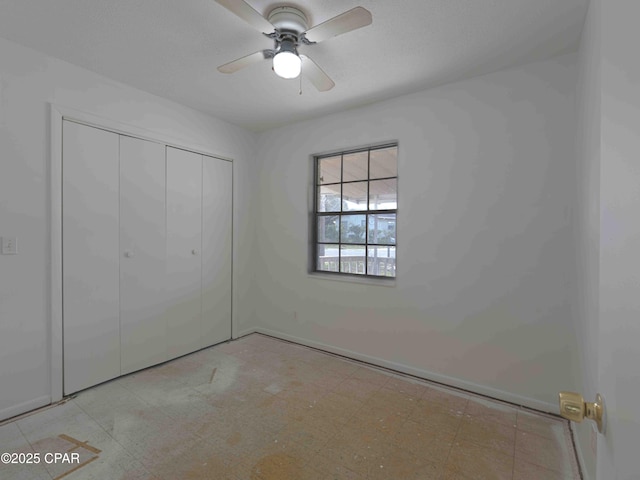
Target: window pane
point(356, 212)
point(383, 194)
point(354, 196)
point(355, 166)
point(382, 261)
point(352, 259)
point(327, 259)
point(328, 228)
point(382, 228)
point(329, 198)
point(353, 228)
point(329, 170)
point(384, 163)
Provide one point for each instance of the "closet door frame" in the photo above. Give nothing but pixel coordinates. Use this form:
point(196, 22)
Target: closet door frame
point(58, 113)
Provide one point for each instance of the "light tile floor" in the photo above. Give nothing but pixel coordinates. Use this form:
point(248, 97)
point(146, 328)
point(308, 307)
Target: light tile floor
point(262, 409)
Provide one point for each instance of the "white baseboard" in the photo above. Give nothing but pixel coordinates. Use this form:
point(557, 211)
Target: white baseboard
point(24, 407)
point(579, 455)
point(244, 333)
point(417, 372)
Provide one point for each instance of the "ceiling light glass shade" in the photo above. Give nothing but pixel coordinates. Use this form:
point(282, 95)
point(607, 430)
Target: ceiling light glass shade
point(287, 64)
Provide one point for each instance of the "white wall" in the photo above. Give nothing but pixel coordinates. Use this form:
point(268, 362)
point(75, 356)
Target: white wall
point(587, 228)
point(485, 261)
point(28, 82)
point(619, 309)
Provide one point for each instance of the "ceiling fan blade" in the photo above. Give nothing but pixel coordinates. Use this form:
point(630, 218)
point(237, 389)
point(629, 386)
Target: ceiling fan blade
point(316, 75)
point(240, 63)
point(345, 22)
point(246, 12)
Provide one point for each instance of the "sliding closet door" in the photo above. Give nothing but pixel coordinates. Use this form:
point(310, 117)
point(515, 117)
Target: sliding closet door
point(184, 246)
point(217, 184)
point(91, 332)
point(143, 328)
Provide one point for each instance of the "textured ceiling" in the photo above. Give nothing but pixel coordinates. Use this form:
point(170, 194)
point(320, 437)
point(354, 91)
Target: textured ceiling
point(172, 48)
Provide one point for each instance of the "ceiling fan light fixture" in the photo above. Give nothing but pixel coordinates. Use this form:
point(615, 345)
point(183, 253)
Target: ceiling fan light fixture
point(287, 64)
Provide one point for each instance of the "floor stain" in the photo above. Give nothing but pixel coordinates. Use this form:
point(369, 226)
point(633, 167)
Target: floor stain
point(212, 374)
point(234, 439)
point(277, 466)
point(267, 402)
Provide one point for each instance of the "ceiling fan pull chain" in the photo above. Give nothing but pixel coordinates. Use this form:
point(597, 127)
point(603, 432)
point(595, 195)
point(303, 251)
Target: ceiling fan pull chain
point(300, 76)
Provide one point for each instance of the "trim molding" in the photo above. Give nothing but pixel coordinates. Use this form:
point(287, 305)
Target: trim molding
point(579, 455)
point(15, 410)
point(55, 264)
point(417, 372)
point(122, 128)
point(246, 332)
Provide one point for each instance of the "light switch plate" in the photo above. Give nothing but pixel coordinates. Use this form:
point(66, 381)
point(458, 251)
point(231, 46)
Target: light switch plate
point(9, 246)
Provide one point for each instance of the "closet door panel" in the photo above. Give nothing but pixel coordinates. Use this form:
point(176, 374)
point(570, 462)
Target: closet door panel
point(217, 188)
point(184, 246)
point(143, 326)
point(91, 333)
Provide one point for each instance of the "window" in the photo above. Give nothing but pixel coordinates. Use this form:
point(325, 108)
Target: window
point(356, 204)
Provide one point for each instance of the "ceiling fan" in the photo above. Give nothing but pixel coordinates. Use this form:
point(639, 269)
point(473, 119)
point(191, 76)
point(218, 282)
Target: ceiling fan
point(288, 28)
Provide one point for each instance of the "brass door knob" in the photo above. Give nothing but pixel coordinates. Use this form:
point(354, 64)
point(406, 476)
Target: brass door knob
point(574, 408)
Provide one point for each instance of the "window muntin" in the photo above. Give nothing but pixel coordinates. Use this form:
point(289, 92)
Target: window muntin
point(356, 202)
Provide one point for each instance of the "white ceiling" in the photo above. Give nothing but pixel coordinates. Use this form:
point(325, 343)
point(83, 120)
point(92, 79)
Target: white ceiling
point(172, 48)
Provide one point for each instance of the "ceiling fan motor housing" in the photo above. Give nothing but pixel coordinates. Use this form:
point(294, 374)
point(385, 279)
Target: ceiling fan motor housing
point(288, 19)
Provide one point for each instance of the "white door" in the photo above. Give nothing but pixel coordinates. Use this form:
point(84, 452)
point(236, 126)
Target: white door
point(217, 184)
point(143, 329)
point(91, 327)
point(619, 256)
point(184, 246)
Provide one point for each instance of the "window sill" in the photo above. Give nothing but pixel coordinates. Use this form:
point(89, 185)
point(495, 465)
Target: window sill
point(381, 282)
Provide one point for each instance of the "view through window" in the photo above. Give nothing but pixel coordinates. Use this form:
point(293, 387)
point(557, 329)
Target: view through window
point(356, 205)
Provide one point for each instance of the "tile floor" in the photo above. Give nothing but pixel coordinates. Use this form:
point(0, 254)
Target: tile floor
point(259, 408)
